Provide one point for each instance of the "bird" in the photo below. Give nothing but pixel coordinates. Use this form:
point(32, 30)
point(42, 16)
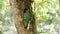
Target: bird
point(27, 17)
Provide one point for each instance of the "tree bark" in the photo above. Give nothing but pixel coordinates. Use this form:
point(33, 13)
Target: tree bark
point(18, 7)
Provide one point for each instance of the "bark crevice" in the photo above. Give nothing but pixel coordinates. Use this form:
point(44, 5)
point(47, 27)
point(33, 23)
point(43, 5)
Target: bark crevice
point(18, 7)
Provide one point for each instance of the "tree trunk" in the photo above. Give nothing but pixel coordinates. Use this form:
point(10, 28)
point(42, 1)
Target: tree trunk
point(18, 7)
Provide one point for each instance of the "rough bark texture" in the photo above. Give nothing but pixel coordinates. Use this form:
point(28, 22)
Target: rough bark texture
point(18, 7)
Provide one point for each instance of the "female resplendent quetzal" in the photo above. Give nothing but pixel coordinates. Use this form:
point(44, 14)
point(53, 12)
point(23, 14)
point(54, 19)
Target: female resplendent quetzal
point(27, 17)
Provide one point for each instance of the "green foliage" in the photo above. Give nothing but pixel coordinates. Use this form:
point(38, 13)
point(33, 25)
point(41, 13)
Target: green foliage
point(5, 12)
point(1, 32)
point(46, 12)
point(45, 15)
point(5, 15)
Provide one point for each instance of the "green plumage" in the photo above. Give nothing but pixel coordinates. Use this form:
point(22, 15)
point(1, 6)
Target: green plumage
point(25, 24)
point(27, 15)
point(26, 18)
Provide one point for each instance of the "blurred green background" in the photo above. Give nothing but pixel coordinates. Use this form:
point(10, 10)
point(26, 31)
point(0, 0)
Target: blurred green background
point(46, 15)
